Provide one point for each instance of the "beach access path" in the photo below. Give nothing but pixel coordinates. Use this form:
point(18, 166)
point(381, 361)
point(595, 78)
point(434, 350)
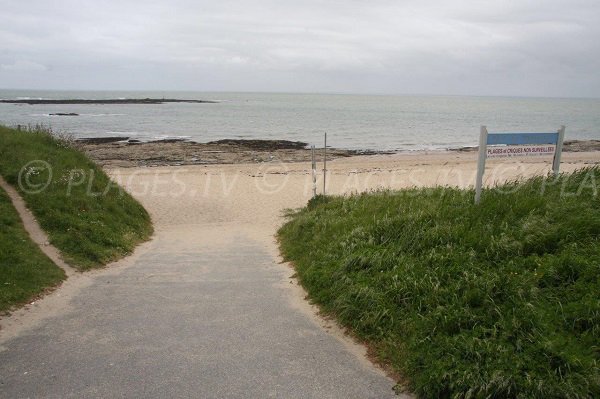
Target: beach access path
point(206, 308)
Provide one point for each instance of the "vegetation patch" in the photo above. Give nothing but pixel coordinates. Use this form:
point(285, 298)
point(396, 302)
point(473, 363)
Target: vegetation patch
point(500, 300)
point(89, 218)
point(24, 270)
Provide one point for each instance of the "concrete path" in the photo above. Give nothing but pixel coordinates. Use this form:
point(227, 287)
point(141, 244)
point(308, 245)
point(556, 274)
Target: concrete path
point(205, 314)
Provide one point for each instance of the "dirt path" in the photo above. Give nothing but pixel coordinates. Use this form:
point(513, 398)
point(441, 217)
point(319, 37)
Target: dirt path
point(34, 230)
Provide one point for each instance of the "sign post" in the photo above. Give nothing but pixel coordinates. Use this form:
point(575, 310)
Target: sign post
point(483, 134)
point(325, 165)
point(314, 171)
point(516, 144)
point(557, 153)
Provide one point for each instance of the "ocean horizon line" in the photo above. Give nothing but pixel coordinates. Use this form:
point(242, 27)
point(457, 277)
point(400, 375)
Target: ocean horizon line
point(324, 93)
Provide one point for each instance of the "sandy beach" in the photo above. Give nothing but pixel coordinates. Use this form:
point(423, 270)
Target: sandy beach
point(257, 193)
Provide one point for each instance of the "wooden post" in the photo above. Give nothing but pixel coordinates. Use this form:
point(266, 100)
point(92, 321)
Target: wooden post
point(483, 133)
point(558, 150)
point(325, 165)
point(314, 170)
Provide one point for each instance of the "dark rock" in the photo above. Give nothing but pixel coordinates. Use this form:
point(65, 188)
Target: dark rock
point(169, 140)
point(109, 101)
point(101, 140)
point(263, 144)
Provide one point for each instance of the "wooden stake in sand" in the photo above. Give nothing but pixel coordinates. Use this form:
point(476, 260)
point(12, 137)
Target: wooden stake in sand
point(325, 164)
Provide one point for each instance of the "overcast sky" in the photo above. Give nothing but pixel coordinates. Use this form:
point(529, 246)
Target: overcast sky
point(516, 47)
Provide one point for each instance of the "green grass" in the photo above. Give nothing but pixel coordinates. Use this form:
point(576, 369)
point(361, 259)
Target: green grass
point(24, 270)
point(500, 300)
point(91, 220)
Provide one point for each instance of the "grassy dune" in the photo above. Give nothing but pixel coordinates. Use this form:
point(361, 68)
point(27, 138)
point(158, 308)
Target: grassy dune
point(89, 218)
point(24, 270)
point(500, 300)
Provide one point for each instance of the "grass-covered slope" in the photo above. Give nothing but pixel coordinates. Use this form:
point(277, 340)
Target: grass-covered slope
point(499, 300)
point(24, 270)
point(89, 218)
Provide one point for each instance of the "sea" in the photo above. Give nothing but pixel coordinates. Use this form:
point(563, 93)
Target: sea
point(361, 122)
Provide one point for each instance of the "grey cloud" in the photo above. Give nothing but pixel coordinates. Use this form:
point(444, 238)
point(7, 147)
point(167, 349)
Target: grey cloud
point(461, 47)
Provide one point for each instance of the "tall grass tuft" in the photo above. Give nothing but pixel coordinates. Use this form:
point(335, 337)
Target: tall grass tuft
point(89, 218)
point(500, 300)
